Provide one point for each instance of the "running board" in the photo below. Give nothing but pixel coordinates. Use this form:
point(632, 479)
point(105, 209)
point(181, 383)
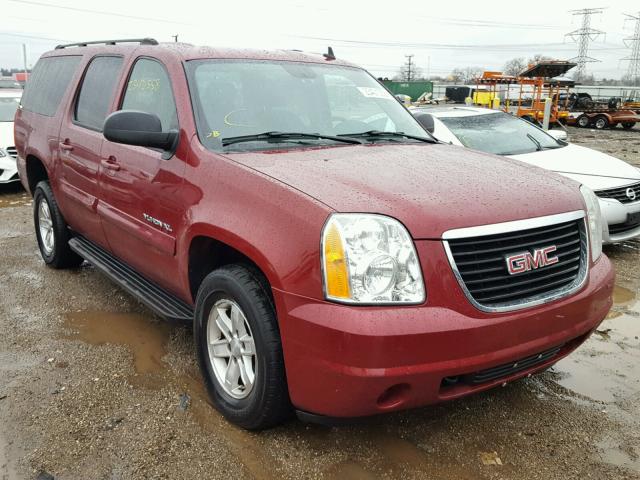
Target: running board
point(159, 300)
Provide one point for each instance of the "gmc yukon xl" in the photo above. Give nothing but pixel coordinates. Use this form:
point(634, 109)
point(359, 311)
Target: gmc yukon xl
point(333, 258)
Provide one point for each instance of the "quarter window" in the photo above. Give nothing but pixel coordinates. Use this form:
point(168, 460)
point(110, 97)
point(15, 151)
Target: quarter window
point(48, 83)
point(97, 90)
point(149, 90)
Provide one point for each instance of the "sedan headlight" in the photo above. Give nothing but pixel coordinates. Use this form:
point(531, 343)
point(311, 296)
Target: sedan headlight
point(2, 153)
point(370, 259)
point(594, 221)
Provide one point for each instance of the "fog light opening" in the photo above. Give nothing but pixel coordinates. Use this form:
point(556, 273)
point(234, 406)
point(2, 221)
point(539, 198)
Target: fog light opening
point(394, 396)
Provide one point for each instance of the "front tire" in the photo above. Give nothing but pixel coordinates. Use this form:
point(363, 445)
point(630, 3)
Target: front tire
point(52, 231)
point(239, 349)
point(582, 121)
point(628, 125)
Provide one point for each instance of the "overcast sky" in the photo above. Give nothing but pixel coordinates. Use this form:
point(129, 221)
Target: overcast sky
point(376, 35)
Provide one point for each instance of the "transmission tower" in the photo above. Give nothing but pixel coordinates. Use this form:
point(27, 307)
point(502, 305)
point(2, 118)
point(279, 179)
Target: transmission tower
point(633, 70)
point(583, 37)
point(408, 68)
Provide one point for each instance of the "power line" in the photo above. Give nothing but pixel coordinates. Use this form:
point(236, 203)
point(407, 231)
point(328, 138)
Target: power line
point(583, 36)
point(99, 12)
point(633, 70)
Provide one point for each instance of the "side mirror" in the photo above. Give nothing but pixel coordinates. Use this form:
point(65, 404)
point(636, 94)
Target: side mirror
point(426, 120)
point(143, 129)
point(558, 134)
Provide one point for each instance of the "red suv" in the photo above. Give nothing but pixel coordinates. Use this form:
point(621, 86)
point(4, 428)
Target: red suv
point(333, 257)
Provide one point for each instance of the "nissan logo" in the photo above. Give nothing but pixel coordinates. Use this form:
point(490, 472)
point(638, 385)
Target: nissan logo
point(631, 194)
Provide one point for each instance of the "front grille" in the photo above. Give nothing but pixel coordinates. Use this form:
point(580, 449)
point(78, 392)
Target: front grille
point(621, 193)
point(12, 152)
point(482, 268)
point(502, 371)
point(633, 222)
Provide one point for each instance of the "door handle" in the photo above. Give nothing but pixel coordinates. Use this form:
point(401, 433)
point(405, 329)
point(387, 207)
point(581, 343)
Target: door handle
point(111, 164)
point(65, 146)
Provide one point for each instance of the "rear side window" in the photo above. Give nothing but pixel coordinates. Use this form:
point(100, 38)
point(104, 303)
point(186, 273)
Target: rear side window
point(48, 83)
point(149, 90)
point(96, 91)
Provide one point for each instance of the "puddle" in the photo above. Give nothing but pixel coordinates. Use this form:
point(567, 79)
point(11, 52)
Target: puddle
point(619, 454)
point(605, 367)
point(14, 199)
point(348, 470)
point(145, 338)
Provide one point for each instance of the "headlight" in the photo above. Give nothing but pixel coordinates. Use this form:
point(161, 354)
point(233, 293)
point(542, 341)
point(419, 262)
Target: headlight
point(2, 153)
point(594, 221)
point(370, 259)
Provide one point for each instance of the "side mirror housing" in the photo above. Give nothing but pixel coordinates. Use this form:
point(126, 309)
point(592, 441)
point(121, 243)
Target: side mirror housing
point(426, 121)
point(558, 134)
point(132, 127)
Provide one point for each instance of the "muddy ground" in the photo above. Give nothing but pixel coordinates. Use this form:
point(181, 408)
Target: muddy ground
point(92, 386)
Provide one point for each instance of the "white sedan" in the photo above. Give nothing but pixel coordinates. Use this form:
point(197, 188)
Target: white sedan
point(9, 101)
point(616, 183)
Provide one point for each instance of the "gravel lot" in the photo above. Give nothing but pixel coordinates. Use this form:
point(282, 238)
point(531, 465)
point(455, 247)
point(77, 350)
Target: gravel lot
point(92, 386)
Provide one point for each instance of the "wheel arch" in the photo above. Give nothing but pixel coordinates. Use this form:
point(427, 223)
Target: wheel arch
point(210, 248)
point(36, 171)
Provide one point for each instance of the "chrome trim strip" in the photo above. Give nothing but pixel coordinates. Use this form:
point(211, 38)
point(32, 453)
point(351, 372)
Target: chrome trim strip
point(513, 226)
point(506, 227)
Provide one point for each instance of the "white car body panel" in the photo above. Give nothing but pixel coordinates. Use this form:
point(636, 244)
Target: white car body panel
point(594, 169)
point(8, 163)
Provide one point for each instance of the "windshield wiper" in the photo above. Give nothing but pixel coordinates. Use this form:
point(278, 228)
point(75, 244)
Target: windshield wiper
point(535, 141)
point(284, 136)
point(381, 134)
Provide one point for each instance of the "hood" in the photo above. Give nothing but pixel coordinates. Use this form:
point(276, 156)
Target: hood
point(430, 188)
point(6, 134)
point(594, 169)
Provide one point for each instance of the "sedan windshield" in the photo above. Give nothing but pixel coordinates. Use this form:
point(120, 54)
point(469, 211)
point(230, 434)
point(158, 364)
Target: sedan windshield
point(499, 133)
point(249, 105)
point(8, 107)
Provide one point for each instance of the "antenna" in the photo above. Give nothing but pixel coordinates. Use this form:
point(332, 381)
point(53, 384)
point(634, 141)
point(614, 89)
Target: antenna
point(583, 36)
point(329, 55)
point(633, 42)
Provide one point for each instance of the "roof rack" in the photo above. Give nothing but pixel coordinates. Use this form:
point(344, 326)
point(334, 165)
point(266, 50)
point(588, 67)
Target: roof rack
point(141, 41)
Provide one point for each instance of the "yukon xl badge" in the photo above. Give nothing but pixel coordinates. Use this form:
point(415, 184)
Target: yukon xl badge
point(523, 262)
point(158, 223)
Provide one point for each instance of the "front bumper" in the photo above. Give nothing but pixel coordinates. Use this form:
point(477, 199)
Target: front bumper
point(349, 361)
point(8, 170)
point(615, 214)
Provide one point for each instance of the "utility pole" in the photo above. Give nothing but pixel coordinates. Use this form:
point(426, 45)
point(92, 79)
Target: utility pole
point(24, 56)
point(175, 38)
point(409, 65)
point(583, 36)
point(633, 42)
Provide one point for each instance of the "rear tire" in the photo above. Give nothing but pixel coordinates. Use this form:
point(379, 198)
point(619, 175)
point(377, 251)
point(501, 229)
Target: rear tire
point(601, 122)
point(582, 121)
point(52, 231)
point(239, 349)
point(628, 125)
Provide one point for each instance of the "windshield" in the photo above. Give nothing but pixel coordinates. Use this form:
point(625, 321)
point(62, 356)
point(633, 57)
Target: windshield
point(8, 107)
point(499, 133)
point(235, 98)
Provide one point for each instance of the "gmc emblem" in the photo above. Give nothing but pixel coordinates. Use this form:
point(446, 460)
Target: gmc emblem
point(523, 262)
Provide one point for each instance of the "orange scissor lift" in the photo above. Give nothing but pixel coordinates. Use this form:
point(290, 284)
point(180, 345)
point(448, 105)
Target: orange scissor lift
point(537, 83)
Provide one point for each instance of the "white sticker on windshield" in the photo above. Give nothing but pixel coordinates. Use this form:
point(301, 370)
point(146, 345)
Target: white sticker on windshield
point(373, 92)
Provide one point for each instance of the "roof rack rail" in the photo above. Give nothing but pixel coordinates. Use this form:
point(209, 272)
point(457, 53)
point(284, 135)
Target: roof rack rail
point(141, 41)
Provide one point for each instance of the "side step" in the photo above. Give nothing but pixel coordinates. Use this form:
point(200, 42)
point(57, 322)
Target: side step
point(159, 300)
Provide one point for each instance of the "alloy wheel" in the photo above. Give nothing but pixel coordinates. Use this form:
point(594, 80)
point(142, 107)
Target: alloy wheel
point(231, 346)
point(45, 225)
